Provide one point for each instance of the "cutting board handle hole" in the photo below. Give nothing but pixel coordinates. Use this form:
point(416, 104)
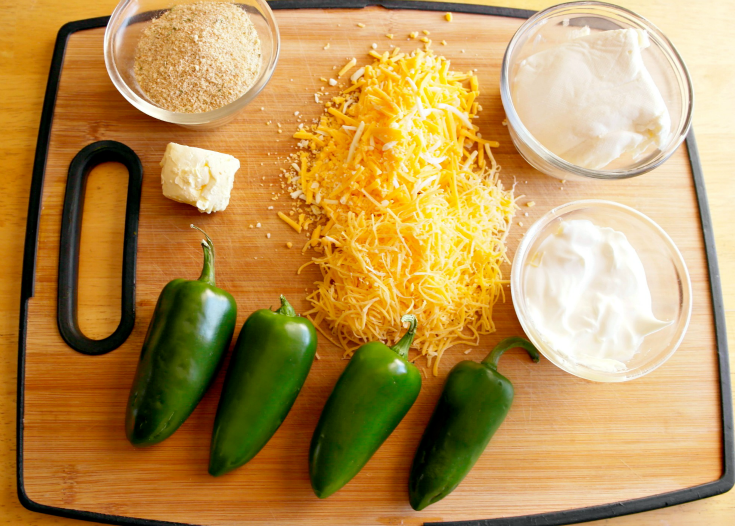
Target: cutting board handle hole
point(92, 296)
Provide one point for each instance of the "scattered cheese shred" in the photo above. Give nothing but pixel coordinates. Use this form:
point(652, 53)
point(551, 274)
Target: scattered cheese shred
point(347, 67)
point(290, 222)
point(315, 236)
point(411, 216)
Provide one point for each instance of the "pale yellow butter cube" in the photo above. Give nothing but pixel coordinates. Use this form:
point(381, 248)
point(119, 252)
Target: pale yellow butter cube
point(198, 177)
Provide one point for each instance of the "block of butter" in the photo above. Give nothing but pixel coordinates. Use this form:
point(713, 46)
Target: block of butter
point(198, 177)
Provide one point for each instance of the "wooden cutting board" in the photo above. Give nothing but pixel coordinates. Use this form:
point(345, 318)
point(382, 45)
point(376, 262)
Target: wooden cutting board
point(567, 443)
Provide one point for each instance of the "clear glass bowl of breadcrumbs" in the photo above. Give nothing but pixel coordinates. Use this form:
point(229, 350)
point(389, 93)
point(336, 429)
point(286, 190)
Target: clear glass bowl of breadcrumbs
point(124, 30)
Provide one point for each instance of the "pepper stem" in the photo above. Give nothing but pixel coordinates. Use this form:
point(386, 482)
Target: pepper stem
point(286, 309)
point(401, 348)
point(509, 343)
point(207, 275)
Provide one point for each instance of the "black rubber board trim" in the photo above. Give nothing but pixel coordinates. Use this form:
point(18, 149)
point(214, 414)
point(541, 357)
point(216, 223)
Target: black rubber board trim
point(70, 240)
point(605, 511)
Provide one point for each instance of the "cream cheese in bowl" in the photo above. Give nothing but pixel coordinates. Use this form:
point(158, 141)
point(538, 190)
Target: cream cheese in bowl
point(592, 90)
point(591, 100)
point(587, 294)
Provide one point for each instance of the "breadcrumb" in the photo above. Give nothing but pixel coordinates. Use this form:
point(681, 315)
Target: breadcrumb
point(198, 57)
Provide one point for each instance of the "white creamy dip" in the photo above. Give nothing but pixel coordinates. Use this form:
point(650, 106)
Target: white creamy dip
point(587, 295)
point(591, 100)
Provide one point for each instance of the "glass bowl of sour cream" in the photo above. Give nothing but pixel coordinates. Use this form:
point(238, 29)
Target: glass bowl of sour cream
point(592, 90)
point(601, 290)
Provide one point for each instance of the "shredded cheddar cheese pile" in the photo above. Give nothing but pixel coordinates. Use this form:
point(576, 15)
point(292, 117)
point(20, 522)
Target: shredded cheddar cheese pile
point(409, 215)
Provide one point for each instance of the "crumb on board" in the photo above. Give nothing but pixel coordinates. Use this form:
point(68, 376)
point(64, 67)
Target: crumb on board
point(360, 24)
point(531, 204)
point(327, 45)
point(448, 17)
point(289, 245)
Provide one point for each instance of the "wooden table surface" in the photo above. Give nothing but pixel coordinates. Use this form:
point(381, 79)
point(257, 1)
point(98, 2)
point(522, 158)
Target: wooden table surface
point(699, 32)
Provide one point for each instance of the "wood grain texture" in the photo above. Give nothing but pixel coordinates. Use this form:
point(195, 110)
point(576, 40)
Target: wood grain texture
point(602, 421)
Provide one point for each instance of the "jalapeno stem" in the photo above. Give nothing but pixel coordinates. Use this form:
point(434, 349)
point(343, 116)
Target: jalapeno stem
point(207, 275)
point(286, 309)
point(509, 343)
point(401, 348)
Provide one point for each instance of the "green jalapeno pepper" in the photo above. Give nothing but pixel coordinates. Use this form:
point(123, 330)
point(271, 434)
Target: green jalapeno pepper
point(475, 400)
point(270, 363)
point(190, 331)
point(371, 397)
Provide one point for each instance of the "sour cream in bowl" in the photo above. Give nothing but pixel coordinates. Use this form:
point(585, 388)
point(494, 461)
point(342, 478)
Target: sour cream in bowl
point(601, 290)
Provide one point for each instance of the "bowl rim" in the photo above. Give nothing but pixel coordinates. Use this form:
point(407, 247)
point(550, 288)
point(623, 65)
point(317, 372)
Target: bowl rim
point(516, 288)
point(188, 119)
point(525, 135)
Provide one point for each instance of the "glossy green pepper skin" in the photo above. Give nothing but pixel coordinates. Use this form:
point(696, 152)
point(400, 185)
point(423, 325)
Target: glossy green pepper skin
point(371, 397)
point(190, 332)
point(270, 363)
point(475, 400)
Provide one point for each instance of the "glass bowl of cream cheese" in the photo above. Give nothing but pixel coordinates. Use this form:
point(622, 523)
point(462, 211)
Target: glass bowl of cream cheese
point(601, 290)
point(592, 90)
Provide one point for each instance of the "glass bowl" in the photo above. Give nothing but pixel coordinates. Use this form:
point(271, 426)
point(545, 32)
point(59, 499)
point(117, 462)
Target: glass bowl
point(666, 274)
point(555, 25)
point(124, 29)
